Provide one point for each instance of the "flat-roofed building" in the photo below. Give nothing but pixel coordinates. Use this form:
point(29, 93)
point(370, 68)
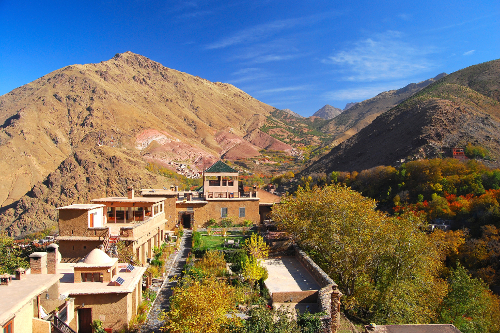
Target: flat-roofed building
point(102, 289)
point(138, 221)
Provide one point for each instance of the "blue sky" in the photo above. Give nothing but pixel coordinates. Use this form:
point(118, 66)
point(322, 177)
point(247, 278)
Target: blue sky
point(299, 55)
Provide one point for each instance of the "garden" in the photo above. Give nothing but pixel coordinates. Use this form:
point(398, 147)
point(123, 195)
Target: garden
point(222, 290)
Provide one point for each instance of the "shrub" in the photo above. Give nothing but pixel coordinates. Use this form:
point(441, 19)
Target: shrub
point(310, 323)
point(196, 239)
point(226, 222)
point(211, 222)
point(237, 258)
point(212, 263)
point(256, 247)
point(201, 306)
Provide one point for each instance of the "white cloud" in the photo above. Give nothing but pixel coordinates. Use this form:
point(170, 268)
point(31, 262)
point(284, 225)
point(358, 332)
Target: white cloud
point(285, 89)
point(357, 94)
point(468, 53)
point(404, 17)
point(248, 74)
point(384, 57)
point(266, 30)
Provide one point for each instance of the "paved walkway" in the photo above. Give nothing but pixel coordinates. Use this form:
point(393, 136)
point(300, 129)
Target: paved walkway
point(174, 266)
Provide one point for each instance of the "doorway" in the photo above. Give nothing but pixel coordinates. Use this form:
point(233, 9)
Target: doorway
point(186, 218)
point(85, 320)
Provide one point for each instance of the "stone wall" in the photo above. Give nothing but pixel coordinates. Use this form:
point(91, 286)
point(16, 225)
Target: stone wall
point(310, 296)
point(328, 295)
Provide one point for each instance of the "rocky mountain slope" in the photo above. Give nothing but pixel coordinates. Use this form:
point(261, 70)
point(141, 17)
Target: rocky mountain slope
point(459, 108)
point(327, 112)
point(359, 115)
point(88, 130)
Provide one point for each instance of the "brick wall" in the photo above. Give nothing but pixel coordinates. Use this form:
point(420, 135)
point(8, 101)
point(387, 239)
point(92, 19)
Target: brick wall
point(38, 263)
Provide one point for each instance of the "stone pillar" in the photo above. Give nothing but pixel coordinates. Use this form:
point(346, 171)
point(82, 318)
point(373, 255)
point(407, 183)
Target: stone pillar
point(38, 263)
point(335, 307)
point(53, 258)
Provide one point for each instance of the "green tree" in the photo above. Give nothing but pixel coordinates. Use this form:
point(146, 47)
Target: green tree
point(10, 256)
point(470, 305)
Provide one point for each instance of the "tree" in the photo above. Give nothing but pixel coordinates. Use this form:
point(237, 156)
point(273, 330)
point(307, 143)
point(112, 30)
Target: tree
point(253, 270)
point(387, 267)
point(10, 256)
point(206, 306)
point(256, 247)
point(470, 305)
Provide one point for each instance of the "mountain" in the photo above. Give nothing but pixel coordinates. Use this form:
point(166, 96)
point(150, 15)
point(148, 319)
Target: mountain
point(292, 113)
point(88, 130)
point(460, 108)
point(359, 115)
point(349, 105)
point(327, 112)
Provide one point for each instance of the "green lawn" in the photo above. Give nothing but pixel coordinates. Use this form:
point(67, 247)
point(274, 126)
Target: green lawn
point(217, 242)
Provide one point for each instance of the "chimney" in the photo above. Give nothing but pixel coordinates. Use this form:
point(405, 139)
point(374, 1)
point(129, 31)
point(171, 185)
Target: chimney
point(53, 258)
point(5, 279)
point(130, 192)
point(20, 273)
point(38, 263)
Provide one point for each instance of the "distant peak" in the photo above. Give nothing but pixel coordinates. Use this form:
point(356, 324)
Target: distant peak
point(327, 112)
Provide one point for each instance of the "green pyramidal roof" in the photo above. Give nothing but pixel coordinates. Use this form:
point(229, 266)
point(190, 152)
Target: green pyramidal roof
point(219, 167)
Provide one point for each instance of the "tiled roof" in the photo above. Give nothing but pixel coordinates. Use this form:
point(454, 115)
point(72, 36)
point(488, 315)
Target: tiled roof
point(219, 167)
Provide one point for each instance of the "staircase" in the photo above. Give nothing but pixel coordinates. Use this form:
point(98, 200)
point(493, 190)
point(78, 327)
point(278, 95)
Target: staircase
point(60, 326)
point(111, 249)
point(109, 244)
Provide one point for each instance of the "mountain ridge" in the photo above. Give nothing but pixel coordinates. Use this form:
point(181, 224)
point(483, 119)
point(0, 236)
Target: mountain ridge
point(445, 114)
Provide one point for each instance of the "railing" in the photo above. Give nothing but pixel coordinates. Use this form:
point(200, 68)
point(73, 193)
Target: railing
point(105, 236)
point(60, 326)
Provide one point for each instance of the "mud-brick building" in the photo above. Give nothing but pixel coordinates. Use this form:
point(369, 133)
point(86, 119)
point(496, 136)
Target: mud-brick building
point(102, 289)
point(221, 197)
point(138, 221)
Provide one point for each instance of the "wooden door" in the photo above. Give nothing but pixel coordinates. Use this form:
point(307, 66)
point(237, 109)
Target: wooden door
point(85, 320)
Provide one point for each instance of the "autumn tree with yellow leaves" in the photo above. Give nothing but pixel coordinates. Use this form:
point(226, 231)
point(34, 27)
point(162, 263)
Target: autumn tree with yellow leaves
point(387, 267)
point(201, 306)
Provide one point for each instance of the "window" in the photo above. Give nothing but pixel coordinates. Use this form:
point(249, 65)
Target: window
point(223, 212)
point(242, 211)
point(9, 327)
point(92, 277)
point(214, 183)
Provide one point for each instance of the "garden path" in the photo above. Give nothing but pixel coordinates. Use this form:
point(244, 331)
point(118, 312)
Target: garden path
point(176, 265)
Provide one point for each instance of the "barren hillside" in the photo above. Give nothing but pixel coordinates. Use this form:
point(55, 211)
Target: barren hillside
point(128, 109)
point(460, 108)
